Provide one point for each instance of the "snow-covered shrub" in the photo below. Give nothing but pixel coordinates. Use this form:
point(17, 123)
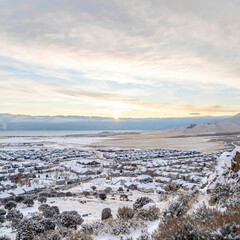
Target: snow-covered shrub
point(50, 212)
point(42, 207)
point(125, 213)
point(10, 205)
point(178, 229)
point(79, 236)
point(43, 194)
point(144, 235)
point(61, 194)
point(70, 219)
point(42, 199)
point(2, 212)
point(53, 193)
point(92, 228)
point(172, 187)
point(43, 225)
point(107, 189)
point(151, 214)
point(163, 197)
point(122, 227)
point(14, 215)
point(28, 202)
point(69, 194)
point(120, 189)
point(140, 202)
point(219, 192)
point(204, 213)
point(19, 198)
point(86, 193)
point(25, 230)
point(102, 196)
point(176, 209)
point(223, 225)
point(49, 235)
point(106, 214)
point(2, 218)
point(4, 238)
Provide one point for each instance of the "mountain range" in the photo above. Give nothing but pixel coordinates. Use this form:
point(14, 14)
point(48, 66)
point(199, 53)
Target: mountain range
point(28, 122)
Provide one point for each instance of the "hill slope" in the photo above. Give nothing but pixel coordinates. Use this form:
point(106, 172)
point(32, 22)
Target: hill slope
point(228, 125)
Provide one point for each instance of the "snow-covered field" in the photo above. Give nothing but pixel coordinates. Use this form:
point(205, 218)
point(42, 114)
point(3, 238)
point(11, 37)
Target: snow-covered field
point(150, 183)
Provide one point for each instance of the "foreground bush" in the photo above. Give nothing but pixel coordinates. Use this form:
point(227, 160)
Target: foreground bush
point(140, 202)
point(70, 219)
point(125, 213)
point(219, 226)
point(151, 214)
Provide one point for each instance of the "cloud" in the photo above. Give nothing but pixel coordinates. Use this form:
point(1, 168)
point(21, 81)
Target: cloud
point(142, 54)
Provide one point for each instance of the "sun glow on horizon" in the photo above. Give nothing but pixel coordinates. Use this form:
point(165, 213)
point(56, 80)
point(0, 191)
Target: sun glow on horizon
point(116, 116)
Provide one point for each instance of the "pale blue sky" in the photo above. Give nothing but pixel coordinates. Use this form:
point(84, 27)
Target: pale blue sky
point(120, 58)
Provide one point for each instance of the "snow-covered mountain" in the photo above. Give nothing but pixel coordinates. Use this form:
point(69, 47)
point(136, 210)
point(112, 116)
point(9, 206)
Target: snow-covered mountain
point(231, 124)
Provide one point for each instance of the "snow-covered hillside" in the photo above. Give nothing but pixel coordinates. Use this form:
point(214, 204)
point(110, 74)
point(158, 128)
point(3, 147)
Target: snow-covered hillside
point(231, 124)
point(227, 170)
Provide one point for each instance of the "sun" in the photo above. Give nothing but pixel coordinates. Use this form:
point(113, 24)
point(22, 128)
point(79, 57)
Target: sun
point(116, 116)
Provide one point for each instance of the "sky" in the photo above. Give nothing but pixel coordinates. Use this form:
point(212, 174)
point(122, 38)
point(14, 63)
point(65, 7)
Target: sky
point(120, 58)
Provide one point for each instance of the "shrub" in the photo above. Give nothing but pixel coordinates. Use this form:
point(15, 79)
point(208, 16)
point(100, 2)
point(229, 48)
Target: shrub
point(28, 202)
point(61, 194)
point(92, 228)
point(43, 194)
point(70, 219)
point(102, 196)
point(79, 236)
point(19, 198)
point(2, 218)
point(204, 213)
point(5, 238)
point(175, 210)
point(178, 208)
point(14, 215)
point(25, 230)
point(69, 194)
point(43, 225)
point(172, 187)
point(151, 214)
point(144, 235)
point(106, 213)
point(43, 207)
point(140, 202)
point(10, 205)
point(42, 199)
point(93, 188)
point(108, 190)
point(220, 191)
point(120, 189)
point(125, 213)
point(2, 212)
point(50, 212)
point(176, 229)
point(86, 193)
point(221, 226)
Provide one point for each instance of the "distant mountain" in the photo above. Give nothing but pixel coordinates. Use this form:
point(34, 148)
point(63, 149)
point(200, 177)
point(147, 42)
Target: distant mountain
point(227, 125)
point(28, 122)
